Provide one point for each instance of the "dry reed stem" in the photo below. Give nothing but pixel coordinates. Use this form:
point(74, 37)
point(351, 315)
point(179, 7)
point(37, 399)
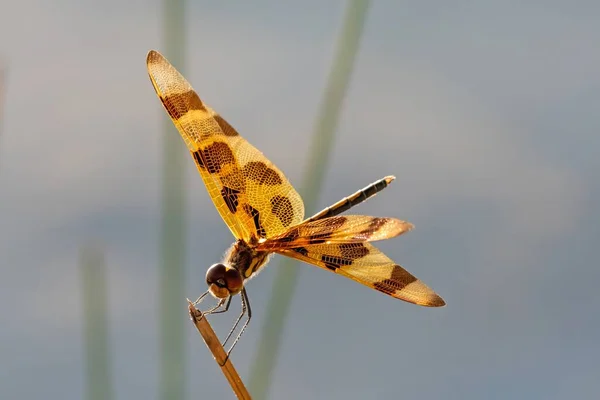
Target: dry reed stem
point(214, 345)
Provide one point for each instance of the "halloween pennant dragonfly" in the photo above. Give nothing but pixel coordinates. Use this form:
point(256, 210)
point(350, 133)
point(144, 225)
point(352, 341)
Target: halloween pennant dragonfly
point(266, 214)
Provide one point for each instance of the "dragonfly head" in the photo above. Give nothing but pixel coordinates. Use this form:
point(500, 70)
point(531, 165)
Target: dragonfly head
point(223, 281)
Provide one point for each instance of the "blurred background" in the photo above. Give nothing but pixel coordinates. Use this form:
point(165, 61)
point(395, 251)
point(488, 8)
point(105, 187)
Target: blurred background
point(487, 114)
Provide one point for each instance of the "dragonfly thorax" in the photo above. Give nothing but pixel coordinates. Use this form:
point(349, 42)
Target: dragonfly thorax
point(244, 258)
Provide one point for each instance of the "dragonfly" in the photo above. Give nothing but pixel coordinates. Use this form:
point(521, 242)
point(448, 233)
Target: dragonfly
point(266, 215)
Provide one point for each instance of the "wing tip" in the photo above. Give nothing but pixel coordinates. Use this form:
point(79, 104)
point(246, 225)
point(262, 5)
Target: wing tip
point(153, 56)
point(435, 301)
point(400, 227)
point(388, 179)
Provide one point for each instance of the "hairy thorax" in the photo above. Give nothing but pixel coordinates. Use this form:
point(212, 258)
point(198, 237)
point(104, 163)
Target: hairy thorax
point(245, 259)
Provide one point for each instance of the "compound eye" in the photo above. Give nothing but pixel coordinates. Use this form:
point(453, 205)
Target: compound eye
point(235, 283)
point(216, 275)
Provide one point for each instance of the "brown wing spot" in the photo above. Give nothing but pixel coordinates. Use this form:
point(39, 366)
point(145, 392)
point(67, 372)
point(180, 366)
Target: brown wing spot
point(198, 157)
point(353, 251)
point(290, 236)
point(332, 225)
point(231, 198)
point(225, 127)
point(301, 250)
point(253, 212)
point(217, 155)
point(373, 227)
point(282, 207)
point(233, 179)
point(320, 238)
point(398, 281)
point(336, 222)
point(259, 172)
point(376, 223)
point(173, 103)
point(334, 262)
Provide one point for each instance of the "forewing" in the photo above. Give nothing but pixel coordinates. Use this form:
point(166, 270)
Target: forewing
point(366, 264)
point(338, 229)
point(252, 195)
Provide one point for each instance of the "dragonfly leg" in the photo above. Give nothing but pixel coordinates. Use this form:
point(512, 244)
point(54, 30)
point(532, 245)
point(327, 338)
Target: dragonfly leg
point(245, 310)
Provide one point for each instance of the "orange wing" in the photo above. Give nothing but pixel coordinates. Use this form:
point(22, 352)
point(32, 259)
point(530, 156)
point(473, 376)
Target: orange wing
point(366, 264)
point(253, 197)
point(339, 229)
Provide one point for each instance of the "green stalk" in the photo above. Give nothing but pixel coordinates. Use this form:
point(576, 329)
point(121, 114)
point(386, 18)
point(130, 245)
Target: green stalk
point(322, 141)
point(2, 94)
point(95, 317)
point(173, 227)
